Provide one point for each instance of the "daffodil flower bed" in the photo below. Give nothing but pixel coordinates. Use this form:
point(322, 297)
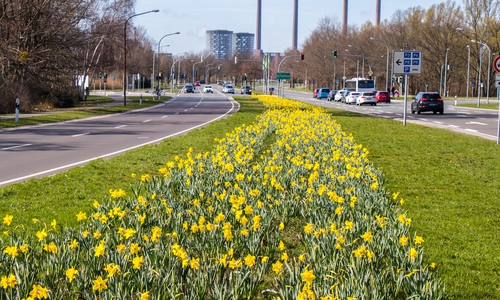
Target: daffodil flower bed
point(210, 226)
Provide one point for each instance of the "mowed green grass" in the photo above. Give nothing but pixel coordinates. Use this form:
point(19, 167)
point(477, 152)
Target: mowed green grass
point(449, 182)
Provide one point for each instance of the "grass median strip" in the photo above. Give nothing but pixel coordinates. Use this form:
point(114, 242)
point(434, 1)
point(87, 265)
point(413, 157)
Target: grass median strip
point(447, 181)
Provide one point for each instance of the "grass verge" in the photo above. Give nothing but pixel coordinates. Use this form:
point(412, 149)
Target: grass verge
point(80, 112)
point(448, 181)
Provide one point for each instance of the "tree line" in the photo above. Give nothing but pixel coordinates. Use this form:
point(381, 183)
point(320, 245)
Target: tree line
point(47, 48)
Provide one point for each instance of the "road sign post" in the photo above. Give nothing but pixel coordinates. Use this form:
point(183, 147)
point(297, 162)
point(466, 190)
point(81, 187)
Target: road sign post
point(406, 62)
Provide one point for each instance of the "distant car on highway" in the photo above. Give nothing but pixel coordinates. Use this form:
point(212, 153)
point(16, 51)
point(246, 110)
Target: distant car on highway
point(339, 96)
point(383, 96)
point(197, 83)
point(351, 97)
point(366, 98)
point(331, 95)
point(323, 93)
point(315, 93)
point(228, 89)
point(246, 90)
point(208, 89)
point(189, 88)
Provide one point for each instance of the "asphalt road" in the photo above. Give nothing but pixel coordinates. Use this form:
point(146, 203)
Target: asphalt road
point(474, 121)
point(38, 151)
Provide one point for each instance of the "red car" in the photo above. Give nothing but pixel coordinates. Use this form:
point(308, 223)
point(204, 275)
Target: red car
point(197, 83)
point(315, 94)
point(383, 96)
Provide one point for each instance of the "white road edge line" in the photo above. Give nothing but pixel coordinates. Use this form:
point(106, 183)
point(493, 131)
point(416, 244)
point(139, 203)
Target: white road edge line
point(15, 147)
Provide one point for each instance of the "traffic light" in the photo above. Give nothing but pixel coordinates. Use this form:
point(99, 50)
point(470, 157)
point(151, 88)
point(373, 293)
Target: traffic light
point(334, 53)
point(100, 75)
point(392, 79)
point(302, 55)
point(400, 79)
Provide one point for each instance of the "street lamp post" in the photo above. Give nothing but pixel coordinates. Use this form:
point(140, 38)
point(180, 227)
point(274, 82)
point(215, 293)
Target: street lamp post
point(125, 53)
point(488, 79)
point(363, 66)
point(445, 69)
point(199, 62)
point(158, 77)
point(468, 67)
point(386, 64)
point(172, 71)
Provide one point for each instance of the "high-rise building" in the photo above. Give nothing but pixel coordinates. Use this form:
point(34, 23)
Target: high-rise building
point(220, 43)
point(243, 43)
point(225, 43)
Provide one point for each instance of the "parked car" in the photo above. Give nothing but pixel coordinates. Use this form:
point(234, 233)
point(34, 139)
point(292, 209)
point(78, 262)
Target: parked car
point(323, 93)
point(331, 95)
point(350, 97)
point(427, 101)
point(208, 89)
point(383, 96)
point(228, 89)
point(315, 93)
point(246, 89)
point(366, 98)
point(189, 88)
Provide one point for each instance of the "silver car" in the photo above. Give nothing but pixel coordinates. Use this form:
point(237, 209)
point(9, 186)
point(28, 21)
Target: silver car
point(228, 89)
point(366, 98)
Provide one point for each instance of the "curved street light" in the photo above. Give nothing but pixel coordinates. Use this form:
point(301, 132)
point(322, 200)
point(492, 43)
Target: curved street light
point(158, 53)
point(488, 79)
point(125, 53)
point(387, 62)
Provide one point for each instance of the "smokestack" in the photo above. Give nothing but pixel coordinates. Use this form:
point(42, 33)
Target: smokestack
point(344, 23)
point(258, 50)
point(295, 24)
point(377, 13)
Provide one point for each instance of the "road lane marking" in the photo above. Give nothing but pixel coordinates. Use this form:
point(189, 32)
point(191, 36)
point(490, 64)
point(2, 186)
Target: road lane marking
point(164, 117)
point(15, 147)
point(146, 121)
point(121, 126)
point(81, 134)
point(475, 123)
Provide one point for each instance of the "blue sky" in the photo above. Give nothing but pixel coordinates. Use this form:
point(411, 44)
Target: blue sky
point(193, 17)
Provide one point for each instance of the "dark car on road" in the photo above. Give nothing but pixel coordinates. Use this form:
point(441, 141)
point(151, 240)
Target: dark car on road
point(246, 90)
point(427, 101)
point(189, 88)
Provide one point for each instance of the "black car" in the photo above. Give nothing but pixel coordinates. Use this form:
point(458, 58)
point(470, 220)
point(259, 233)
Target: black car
point(246, 90)
point(189, 88)
point(427, 101)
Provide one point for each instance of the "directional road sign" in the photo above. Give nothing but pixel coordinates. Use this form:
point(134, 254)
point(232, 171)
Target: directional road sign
point(406, 62)
point(283, 76)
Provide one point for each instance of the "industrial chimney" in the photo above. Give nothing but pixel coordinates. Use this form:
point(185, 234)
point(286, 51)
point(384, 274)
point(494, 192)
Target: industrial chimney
point(377, 13)
point(258, 50)
point(344, 19)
